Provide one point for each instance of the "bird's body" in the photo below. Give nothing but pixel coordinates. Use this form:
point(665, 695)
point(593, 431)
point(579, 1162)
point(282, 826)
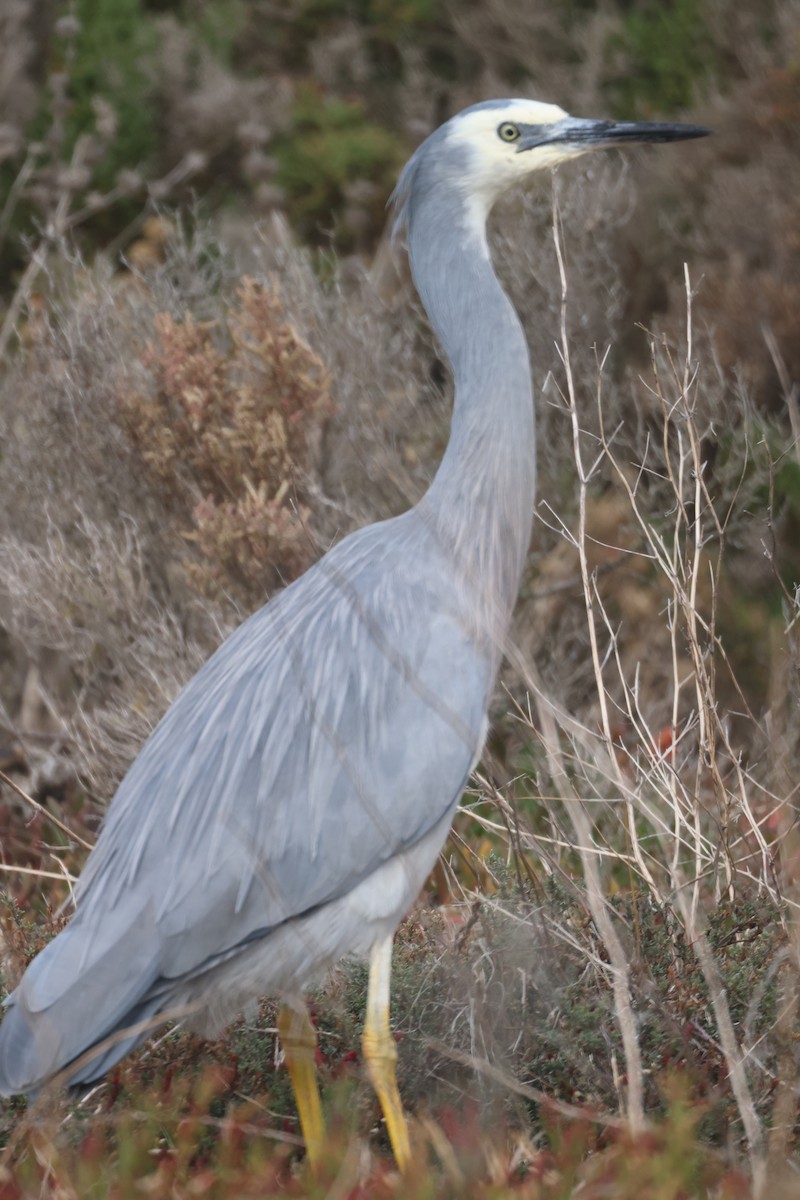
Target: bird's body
point(199, 889)
point(289, 805)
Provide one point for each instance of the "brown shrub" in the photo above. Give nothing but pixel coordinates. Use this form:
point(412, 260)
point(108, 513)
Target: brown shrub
point(228, 430)
point(101, 603)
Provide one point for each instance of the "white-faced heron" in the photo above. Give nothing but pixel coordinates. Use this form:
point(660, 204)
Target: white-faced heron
point(290, 804)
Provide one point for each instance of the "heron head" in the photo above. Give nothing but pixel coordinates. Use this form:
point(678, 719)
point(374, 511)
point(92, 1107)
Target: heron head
point(488, 148)
point(508, 140)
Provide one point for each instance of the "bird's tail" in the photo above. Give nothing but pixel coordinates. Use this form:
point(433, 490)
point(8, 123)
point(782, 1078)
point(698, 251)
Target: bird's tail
point(93, 988)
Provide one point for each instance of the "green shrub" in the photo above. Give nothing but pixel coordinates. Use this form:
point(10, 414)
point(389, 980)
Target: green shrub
point(111, 50)
point(666, 50)
point(332, 144)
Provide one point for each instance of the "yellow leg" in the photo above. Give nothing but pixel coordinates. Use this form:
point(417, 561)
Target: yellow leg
point(380, 1052)
point(299, 1043)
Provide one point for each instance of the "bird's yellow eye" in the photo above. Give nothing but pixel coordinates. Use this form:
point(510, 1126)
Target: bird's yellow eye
point(507, 132)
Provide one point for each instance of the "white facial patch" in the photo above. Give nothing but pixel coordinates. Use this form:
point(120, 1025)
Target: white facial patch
point(474, 122)
point(495, 164)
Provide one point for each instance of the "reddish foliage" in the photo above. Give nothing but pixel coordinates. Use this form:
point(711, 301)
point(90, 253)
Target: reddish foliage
point(228, 430)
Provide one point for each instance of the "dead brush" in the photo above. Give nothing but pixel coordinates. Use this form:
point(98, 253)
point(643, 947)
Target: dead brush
point(229, 430)
point(690, 809)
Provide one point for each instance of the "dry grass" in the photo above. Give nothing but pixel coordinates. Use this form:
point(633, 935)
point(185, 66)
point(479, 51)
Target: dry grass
point(666, 796)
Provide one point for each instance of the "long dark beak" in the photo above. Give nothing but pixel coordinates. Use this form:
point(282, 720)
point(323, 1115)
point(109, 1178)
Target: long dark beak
point(585, 135)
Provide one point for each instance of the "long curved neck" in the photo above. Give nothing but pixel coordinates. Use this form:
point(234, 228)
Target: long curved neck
point(481, 499)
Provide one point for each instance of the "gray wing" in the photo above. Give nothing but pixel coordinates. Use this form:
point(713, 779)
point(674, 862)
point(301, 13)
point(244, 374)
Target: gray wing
point(333, 730)
point(329, 733)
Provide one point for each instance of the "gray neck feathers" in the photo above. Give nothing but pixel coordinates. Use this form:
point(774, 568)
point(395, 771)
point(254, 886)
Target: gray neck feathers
point(481, 501)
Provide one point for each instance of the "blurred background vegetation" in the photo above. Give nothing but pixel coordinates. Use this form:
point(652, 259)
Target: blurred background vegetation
point(212, 364)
